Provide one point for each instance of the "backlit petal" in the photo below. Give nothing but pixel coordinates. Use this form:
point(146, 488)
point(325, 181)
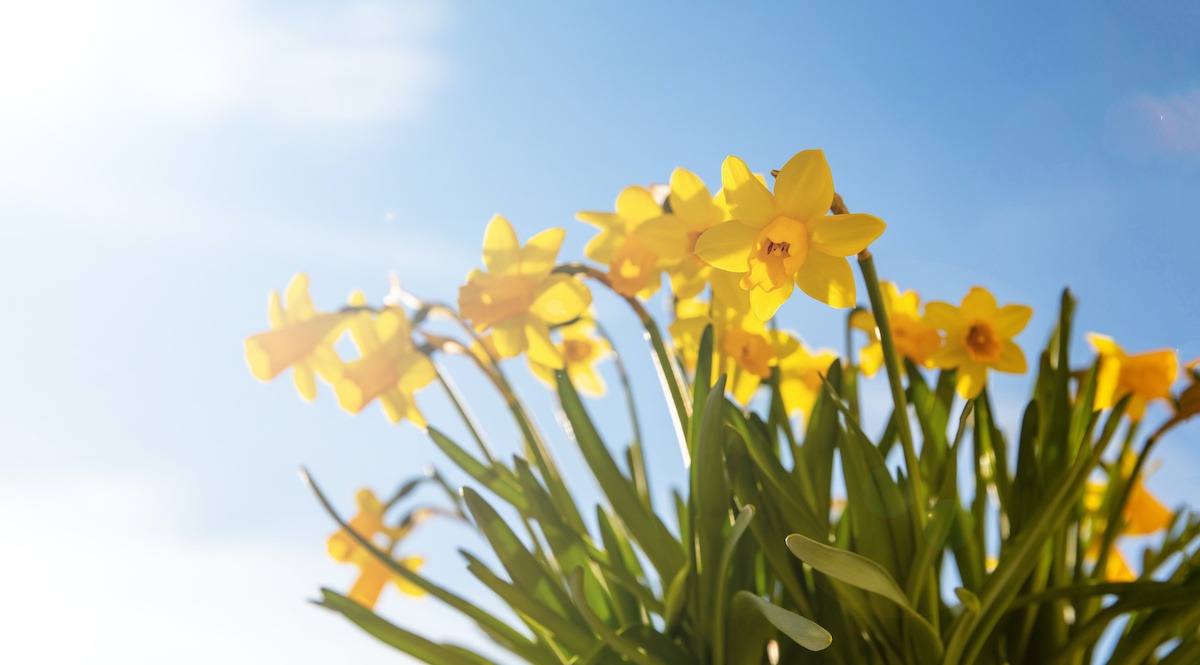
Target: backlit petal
point(1011, 319)
point(844, 235)
point(600, 249)
point(691, 201)
point(950, 356)
point(804, 188)
point(727, 246)
point(299, 304)
point(541, 348)
point(765, 303)
point(971, 379)
point(827, 278)
point(749, 200)
point(1012, 359)
point(537, 258)
point(560, 298)
point(501, 250)
point(871, 359)
point(979, 303)
point(665, 236)
point(943, 316)
point(637, 205)
point(275, 311)
point(1105, 345)
point(508, 336)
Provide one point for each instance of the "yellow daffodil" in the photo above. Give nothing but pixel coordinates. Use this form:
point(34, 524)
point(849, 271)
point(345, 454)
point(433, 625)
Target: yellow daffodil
point(699, 211)
point(978, 337)
point(581, 349)
point(914, 338)
point(777, 241)
point(374, 575)
point(1146, 376)
point(389, 368)
point(1143, 515)
point(518, 298)
point(300, 337)
point(800, 371)
point(636, 242)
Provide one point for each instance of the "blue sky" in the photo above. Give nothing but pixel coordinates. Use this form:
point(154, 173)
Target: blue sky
point(163, 165)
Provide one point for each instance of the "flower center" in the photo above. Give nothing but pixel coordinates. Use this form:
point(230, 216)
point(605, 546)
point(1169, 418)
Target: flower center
point(981, 342)
point(576, 350)
point(751, 351)
point(778, 252)
point(631, 267)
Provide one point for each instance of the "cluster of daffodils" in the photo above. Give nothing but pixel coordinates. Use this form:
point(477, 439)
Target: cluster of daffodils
point(731, 259)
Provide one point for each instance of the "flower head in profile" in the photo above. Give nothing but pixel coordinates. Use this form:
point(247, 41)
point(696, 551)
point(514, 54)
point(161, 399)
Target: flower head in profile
point(581, 351)
point(699, 211)
point(518, 298)
point(300, 337)
point(800, 372)
point(374, 574)
point(1143, 515)
point(1145, 376)
point(636, 242)
point(390, 367)
point(786, 239)
point(914, 338)
point(978, 338)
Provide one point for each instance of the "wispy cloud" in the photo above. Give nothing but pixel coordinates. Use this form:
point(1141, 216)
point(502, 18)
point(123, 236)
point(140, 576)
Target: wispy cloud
point(1144, 124)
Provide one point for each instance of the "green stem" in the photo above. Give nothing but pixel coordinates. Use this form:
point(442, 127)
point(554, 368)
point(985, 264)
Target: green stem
point(467, 418)
point(637, 463)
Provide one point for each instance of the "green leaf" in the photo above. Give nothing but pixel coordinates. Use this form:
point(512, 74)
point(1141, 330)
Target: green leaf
point(410, 643)
point(805, 632)
point(722, 572)
point(636, 653)
point(701, 386)
point(496, 478)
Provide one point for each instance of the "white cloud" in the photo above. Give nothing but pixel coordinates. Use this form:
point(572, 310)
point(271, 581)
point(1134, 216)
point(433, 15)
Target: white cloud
point(97, 570)
point(1144, 124)
point(333, 64)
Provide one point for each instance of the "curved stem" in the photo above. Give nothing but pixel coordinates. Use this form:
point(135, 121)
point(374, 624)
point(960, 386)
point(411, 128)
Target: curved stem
point(637, 463)
point(467, 417)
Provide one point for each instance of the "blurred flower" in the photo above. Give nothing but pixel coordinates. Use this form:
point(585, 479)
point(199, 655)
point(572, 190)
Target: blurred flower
point(1143, 515)
point(978, 337)
point(1146, 376)
point(800, 372)
point(787, 239)
point(390, 367)
point(373, 573)
point(300, 338)
point(699, 211)
point(636, 242)
point(517, 297)
point(914, 338)
point(581, 349)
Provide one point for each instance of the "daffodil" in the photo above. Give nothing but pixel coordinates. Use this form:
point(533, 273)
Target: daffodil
point(300, 337)
point(581, 349)
point(1143, 515)
point(389, 368)
point(374, 574)
point(978, 338)
point(1145, 376)
point(800, 372)
point(914, 338)
point(699, 211)
point(518, 298)
point(786, 239)
point(636, 242)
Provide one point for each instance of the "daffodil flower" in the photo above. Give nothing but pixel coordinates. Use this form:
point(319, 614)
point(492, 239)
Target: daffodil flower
point(1146, 376)
point(390, 368)
point(374, 574)
point(699, 211)
point(978, 338)
point(518, 298)
point(1144, 514)
point(300, 337)
point(636, 242)
point(581, 350)
point(800, 372)
point(786, 239)
point(914, 338)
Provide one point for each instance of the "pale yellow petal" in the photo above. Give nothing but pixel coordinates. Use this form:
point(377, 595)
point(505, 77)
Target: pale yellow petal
point(726, 246)
point(299, 304)
point(560, 298)
point(306, 385)
point(586, 380)
point(863, 320)
point(508, 336)
point(601, 248)
point(765, 303)
point(943, 316)
point(827, 278)
point(1011, 319)
point(637, 204)
point(275, 311)
point(971, 379)
point(665, 236)
point(691, 201)
point(844, 235)
point(501, 250)
point(1012, 359)
point(804, 187)
point(871, 358)
point(950, 356)
point(539, 254)
point(541, 348)
point(749, 200)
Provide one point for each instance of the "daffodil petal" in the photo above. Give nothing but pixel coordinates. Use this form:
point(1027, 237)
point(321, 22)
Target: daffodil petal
point(665, 236)
point(726, 246)
point(508, 336)
point(979, 303)
point(585, 378)
point(541, 348)
point(827, 278)
point(637, 205)
point(749, 200)
point(603, 220)
point(691, 201)
point(943, 316)
point(299, 304)
point(501, 249)
point(1105, 345)
point(950, 356)
point(744, 385)
point(306, 385)
point(275, 311)
point(863, 320)
point(804, 187)
point(765, 303)
point(537, 258)
point(1011, 319)
point(560, 298)
point(601, 248)
point(971, 379)
point(870, 359)
point(844, 235)
point(418, 373)
point(1012, 359)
